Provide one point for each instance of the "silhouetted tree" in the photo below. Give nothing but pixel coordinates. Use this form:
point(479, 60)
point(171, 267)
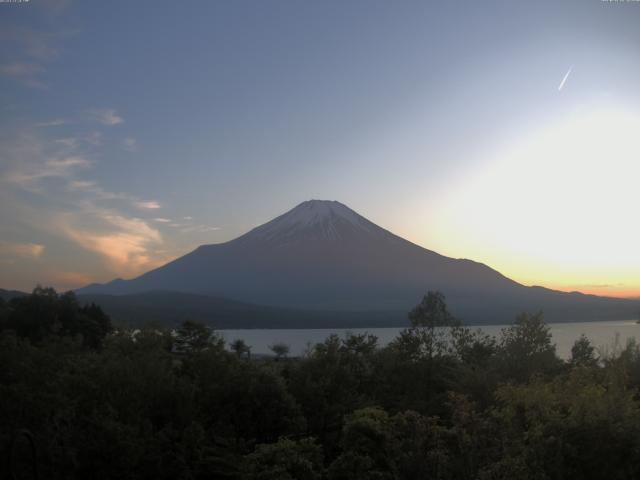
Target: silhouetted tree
point(583, 353)
point(192, 337)
point(432, 312)
point(240, 347)
point(359, 344)
point(46, 313)
point(430, 321)
point(526, 348)
point(280, 349)
point(94, 324)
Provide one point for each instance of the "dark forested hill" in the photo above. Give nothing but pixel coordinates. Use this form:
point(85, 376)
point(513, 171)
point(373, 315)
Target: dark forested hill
point(169, 308)
point(9, 294)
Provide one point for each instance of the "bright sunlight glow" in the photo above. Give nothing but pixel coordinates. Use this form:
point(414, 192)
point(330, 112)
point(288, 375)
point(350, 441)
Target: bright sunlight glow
point(559, 206)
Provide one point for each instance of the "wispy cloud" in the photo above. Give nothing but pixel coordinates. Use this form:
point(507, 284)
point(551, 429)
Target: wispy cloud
point(29, 174)
point(67, 280)
point(63, 164)
point(82, 185)
point(70, 142)
point(96, 191)
point(52, 123)
point(34, 44)
point(26, 160)
point(125, 243)
point(24, 250)
point(20, 69)
point(198, 229)
point(93, 138)
point(106, 116)
point(186, 227)
point(30, 51)
point(25, 72)
point(75, 207)
point(54, 6)
point(29, 160)
point(148, 205)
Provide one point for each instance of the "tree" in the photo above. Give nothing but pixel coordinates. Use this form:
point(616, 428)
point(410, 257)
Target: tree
point(331, 382)
point(4, 314)
point(369, 447)
point(94, 324)
point(570, 426)
point(475, 373)
point(429, 322)
point(280, 349)
point(431, 312)
point(526, 348)
point(473, 347)
point(240, 347)
point(46, 313)
point(193, 337)
point(583, 353)
point(422, 446)
point(285, 460)
point(247, 402)
point(418, 361)
point(359, 344)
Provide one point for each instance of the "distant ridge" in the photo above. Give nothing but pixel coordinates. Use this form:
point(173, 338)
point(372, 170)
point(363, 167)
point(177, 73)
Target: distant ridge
point(323, 256)
point(170, 308)
point(7, 295)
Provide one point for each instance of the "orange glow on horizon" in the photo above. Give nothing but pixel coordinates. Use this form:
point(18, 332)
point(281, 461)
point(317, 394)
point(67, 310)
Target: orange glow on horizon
point(600, 290)
point(554, 208)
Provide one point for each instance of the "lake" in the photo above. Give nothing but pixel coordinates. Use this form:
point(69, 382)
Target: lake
point(605, 336)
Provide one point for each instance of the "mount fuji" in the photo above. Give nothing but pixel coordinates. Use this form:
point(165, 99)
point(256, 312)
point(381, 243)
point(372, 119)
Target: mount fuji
point(321, 256)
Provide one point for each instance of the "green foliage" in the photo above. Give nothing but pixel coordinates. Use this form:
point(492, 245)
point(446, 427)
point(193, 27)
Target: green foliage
point(335, 379)
point(422, 449)
point(570, 427)
point(430, 321)
point(404, 446)
point(473, 347)
point(368, 447)
point(245, 402)
point(285, 460)
point(440, 401)
point(193, 337)
point(45, 313)
point(583, 353)
point(526, 348)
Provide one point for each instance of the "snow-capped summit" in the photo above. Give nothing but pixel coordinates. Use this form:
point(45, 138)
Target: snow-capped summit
point(314, 211)
point(321, 219)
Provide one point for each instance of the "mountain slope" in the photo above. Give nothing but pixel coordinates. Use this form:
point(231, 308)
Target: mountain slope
point(323, 255)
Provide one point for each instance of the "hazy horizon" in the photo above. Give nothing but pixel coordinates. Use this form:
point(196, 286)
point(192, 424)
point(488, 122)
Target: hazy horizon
point(504, 133)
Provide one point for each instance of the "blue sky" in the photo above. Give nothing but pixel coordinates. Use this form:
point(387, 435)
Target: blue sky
point(134, 131)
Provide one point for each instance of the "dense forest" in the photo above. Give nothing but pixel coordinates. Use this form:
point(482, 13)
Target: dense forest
point(80, 399)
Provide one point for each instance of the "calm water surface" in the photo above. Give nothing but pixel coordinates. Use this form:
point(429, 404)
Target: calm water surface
point(606, 336)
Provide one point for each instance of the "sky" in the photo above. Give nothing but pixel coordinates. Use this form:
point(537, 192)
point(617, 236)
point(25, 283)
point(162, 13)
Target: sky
point(505, 132)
